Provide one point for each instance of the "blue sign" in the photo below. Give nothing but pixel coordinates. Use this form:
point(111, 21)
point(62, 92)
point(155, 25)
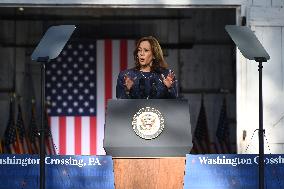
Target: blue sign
point(62, 172)
point(232, 171)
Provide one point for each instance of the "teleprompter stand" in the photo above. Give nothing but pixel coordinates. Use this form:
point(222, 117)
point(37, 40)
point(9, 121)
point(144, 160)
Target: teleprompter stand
point(48, 48)
point(252, 49)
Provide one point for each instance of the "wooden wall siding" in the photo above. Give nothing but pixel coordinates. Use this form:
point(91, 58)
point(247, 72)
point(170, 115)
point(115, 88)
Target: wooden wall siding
point(263, 16)
point(273, 83)
point(126, 3)
point(277, 3)
point(282, 53)
point(208, 67)
point(206, 27)
point(262, 3)
point(6, 68)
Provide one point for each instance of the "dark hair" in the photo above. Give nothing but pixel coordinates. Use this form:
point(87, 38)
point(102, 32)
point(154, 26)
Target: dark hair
point(158, 58)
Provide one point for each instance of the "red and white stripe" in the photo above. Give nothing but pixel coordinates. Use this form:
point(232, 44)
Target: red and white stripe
point(74, 135)
point(14, 148)
point(112, 57)
point(84, 135)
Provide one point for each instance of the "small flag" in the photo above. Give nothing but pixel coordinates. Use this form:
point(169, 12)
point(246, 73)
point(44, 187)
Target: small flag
point(201, 142)
point(1, 147)
point(21, 133)
point(222, 133)
point(10, 136)
point(33, 132)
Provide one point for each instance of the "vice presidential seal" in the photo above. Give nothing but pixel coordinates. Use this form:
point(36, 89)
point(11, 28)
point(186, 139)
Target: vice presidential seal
point(148, 123)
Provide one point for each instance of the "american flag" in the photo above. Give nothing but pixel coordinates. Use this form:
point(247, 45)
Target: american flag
point(222, 133)
point(49, 143)
point(33, 132)
point(201, 141)
point(21, 133)
point(1, 147)
point(78, 84)
point(10, 136)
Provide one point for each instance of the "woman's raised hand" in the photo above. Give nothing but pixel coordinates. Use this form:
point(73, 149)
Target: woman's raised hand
point(128, 82)
point(169, 80)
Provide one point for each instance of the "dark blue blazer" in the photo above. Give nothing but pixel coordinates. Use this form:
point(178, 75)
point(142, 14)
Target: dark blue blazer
point(147, 85)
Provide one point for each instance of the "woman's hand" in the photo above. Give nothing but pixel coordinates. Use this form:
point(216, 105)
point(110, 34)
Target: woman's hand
point(169, 80)
point(128, 82)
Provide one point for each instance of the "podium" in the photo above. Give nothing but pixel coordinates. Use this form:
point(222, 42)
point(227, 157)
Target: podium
point(148, 140)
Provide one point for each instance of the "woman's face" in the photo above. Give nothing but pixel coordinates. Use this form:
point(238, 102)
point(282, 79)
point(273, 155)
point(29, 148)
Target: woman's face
point(145, 54)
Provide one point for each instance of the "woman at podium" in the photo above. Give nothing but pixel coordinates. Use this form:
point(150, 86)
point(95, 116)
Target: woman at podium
point(150, 78)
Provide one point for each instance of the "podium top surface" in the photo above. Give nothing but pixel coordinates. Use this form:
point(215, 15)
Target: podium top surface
point(53, 42)
point(247, 42)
